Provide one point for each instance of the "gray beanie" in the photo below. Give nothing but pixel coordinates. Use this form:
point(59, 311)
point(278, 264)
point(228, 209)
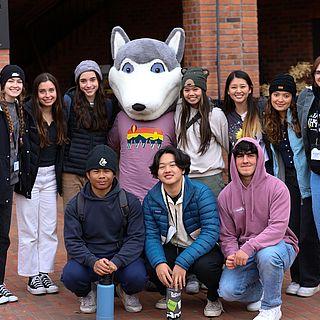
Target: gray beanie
point(86, 65)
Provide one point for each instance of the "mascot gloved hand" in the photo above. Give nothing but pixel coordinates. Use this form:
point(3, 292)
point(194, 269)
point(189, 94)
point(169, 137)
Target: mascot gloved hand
point(145, 78)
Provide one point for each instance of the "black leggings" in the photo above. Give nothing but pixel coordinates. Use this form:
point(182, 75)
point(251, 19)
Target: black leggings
point(207, 269)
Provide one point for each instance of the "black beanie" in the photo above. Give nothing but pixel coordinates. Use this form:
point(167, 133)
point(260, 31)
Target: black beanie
point(102, 157)
point(195, 77)
point(10, 71)
point(283, 82)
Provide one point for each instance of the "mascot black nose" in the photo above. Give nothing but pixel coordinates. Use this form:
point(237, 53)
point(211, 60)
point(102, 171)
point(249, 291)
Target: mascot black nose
point(138, 107)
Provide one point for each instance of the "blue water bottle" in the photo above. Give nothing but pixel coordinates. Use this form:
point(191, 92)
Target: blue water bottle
point(105, 298)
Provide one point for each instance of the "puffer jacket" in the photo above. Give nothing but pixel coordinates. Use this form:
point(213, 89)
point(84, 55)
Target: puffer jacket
point(200, 218)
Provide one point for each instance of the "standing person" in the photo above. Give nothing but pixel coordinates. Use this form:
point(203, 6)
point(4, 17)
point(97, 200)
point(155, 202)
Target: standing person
point(282, 129)
point(101, 237)
point(182, 229)
point(12, 80)
point(201, 130)
point(89, 116)
point(309, 116)
point(241, 108)
point(40, 181)
point(255, 239)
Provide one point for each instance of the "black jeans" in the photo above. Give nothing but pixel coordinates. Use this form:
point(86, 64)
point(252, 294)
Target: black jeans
point(5, 222)
point(207, 269)
point(306, 268)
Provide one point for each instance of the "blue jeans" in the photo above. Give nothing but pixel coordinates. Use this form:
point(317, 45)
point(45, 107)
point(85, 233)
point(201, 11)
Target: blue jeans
point(78, 278)
point(263, 272)
point(315, 193)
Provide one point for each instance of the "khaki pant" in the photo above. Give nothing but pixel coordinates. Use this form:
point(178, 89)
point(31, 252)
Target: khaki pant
point(71, 185)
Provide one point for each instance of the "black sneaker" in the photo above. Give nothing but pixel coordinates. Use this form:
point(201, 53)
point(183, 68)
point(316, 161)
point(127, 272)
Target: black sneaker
point(49, 285)
point(35, 286)
point(6, 295)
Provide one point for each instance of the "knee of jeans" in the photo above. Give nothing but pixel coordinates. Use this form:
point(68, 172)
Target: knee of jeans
point(72, 274)
point(134, 281)
point(270, 258)
point(228, 291)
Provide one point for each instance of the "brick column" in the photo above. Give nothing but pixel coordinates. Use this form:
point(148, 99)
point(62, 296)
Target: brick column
point(238, 39)
point(4, 57)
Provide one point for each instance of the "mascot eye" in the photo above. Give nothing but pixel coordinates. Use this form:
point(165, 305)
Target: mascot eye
point(127, 68)
point(157, 67)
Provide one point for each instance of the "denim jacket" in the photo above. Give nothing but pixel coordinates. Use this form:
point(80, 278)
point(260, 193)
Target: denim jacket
point(299, 160)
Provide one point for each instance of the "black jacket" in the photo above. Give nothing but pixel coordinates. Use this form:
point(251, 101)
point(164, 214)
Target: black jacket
point(81, 140)
point(5, 190)
point(30, 156)
point(99, 234)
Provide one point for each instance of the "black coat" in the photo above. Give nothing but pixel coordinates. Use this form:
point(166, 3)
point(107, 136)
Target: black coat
point(30, 157)
point(81, 140)
point(5, 190)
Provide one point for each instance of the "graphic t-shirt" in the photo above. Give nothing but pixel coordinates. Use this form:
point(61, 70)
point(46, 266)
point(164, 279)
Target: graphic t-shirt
point(137, 142)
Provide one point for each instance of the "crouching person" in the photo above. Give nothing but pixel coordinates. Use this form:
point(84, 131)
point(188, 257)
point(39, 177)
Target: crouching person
point(255, 239)
point(103, 238)
point(182, 229)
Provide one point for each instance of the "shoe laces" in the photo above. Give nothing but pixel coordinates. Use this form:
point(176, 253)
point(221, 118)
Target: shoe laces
point(132, 300)
point(215, 305)
point(36, 282)
point(4, 291)
point(46, 280)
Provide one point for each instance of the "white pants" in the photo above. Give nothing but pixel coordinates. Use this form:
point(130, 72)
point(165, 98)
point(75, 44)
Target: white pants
point(37, 225)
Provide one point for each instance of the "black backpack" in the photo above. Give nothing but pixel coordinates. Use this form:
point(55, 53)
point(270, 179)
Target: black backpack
point(123, 203)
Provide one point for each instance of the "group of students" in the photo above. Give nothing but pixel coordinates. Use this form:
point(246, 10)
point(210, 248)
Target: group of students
point(50, 149)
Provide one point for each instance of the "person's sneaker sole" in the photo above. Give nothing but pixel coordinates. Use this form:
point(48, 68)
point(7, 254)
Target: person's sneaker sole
point(308, 293)
point(37, 292)
point(87, 311)
point(4, 300)
point(52, 290)
point(212, 313)
point(161, 305)
point(13, 299)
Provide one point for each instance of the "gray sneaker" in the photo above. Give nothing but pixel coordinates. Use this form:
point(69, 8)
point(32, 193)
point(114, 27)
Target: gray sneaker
point(213, 308)
point(88, 304)
point(193, 285)
point(161, 303)
point(131, 302)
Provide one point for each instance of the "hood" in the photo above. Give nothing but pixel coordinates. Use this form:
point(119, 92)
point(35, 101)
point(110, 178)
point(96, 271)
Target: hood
point(258, 179)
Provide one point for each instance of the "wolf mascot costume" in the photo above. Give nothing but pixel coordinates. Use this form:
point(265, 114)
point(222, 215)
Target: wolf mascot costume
point(145, 78)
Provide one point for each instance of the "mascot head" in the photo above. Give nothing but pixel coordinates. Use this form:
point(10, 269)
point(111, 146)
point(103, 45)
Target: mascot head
point(146, 74)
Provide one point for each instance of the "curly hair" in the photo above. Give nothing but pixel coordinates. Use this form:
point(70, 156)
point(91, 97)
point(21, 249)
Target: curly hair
point(272, 122)
point(94, 119)
point(57, 112)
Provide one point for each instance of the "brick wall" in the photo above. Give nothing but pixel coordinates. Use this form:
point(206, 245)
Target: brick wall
point(285, 34)
point(238, 39)
point(4, 57)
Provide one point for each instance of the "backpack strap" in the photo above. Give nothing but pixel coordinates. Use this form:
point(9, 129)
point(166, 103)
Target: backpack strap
point(80, 207)
point(197, 116)
point(123, 202)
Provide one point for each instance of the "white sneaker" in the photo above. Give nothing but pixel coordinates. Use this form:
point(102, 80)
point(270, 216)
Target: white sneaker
point(131, 302)
point(307, 292)
point(88, 304)
point(270, 314)
point(35, 286)
point(49, 285)
point(293, 288)
point(193, 285)
point(213, 308)
point(254, 306)
point(6, 295)
point(162, 304)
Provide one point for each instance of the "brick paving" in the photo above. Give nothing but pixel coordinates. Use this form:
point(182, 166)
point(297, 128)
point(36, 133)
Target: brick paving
point(65, 305)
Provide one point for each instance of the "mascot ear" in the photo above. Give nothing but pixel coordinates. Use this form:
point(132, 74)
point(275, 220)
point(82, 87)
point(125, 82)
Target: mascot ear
point(205, 72)
point(176, 41)
point(118, 39)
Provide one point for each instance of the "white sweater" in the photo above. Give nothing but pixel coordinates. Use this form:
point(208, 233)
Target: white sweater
point(211, 162)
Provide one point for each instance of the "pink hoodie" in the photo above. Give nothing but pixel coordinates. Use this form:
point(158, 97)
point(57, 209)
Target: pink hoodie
point(256, 216)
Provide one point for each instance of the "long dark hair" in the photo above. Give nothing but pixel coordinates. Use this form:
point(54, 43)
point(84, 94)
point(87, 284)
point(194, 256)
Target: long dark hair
point(251, 125)
point(97, 120)
point(57, 112)
point(314, 69)
point(272, 122)
point(205, 129)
